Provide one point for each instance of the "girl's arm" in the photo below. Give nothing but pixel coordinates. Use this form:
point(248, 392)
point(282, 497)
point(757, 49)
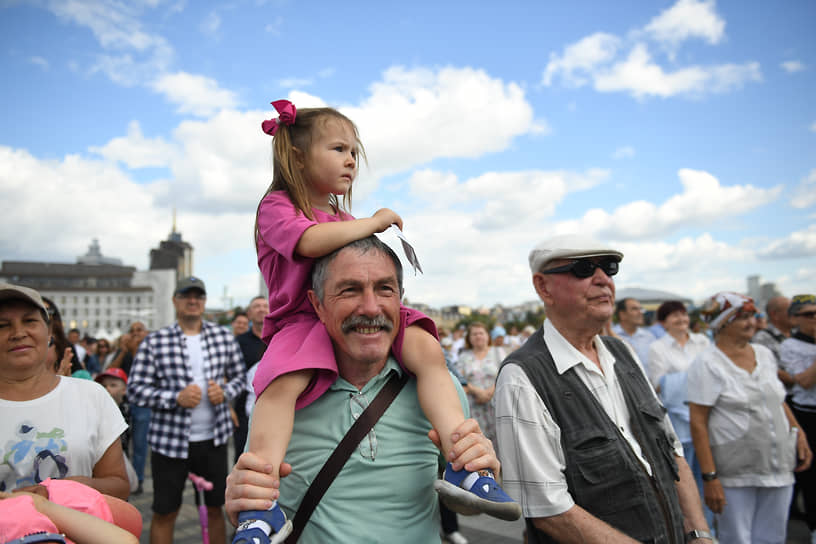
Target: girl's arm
point(323, 238)
point(81, 527)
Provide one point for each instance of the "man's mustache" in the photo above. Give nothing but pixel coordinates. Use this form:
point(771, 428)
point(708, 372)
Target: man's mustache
point(365, 322)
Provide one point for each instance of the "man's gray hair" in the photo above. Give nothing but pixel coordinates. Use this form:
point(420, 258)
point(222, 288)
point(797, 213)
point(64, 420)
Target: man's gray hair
point(364, 245)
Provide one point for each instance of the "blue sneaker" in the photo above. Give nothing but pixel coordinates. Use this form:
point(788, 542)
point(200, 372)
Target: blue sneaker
point(472, 493)
point(262, 527)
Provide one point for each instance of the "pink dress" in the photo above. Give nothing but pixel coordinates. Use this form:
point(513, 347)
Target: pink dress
point(295, 337)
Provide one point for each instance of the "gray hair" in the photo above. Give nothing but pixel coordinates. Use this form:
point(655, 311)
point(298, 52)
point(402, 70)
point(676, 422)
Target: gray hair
point(363, 246)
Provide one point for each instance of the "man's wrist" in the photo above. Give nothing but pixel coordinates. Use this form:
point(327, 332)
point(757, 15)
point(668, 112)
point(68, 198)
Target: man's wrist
point(691, 536)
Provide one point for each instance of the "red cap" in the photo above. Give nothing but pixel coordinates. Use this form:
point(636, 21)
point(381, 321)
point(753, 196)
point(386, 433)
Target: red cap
point(113, 371)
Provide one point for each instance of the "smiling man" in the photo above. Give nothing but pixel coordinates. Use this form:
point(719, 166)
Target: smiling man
point(385, 490)
point(586, 447)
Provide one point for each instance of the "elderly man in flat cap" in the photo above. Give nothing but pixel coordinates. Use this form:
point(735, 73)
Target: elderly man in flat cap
point(585, 445)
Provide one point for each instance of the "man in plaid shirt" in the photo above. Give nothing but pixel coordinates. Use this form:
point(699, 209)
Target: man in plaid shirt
point(186, 374)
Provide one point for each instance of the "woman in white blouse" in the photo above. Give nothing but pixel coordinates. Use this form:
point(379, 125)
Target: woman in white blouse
point(675, 350)
point(746, 438)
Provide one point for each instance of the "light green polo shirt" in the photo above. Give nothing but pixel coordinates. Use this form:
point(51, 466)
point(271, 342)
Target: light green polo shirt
point(388, 498)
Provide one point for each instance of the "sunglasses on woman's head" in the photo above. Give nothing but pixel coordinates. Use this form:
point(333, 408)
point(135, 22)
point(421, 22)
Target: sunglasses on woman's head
point(584, 268)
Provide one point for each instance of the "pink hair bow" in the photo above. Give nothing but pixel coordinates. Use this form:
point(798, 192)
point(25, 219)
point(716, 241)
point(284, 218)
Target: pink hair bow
point(287, 113)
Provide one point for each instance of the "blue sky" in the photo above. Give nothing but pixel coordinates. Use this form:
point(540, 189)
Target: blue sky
point(683, 132)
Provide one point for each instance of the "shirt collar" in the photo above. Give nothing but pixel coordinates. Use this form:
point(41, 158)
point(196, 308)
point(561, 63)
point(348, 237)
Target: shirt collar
point(391, 365)
point(567, 356)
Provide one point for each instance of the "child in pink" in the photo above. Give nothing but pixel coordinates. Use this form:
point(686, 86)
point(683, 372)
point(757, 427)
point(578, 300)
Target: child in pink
point(300, 218)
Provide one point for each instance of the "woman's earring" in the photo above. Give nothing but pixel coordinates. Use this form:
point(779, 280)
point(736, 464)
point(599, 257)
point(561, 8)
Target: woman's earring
point(50, 341)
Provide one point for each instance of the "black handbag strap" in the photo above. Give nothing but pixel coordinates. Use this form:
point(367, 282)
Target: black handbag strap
point(342, 452)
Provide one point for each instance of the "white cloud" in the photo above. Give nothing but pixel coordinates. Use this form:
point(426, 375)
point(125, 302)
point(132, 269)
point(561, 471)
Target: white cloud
point(293, 82)
point(640, 76)
point(797, 245)
point(132, 55)
point(211, 24)
point(687, 19)
point(624, 152)
point(468, 113)
point(804, 196)
point(792, 66)
point(275, 26)
point(581, 58)
point(136, 151)
point(703, 201)
point(39, 61)
point(496, 199)
point(813, 127)
point(195, 94)
point(598, 59)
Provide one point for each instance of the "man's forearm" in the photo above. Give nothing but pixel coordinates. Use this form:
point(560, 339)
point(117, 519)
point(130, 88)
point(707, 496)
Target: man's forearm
point(577, 526)
point(689, 497)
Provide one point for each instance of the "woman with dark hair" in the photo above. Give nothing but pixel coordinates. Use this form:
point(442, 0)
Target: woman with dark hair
point(52, 426)
point(669, 359)
point(65, 359)
point(746, 437)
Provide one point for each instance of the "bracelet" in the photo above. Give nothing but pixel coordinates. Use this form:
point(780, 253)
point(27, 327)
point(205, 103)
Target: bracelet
point(696, 533)
point(709, 476)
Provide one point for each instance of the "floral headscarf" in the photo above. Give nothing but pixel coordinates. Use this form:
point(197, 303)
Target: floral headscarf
point(722, 308)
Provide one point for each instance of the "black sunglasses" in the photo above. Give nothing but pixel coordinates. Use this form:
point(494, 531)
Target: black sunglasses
point(809, 315)
point(584, 268)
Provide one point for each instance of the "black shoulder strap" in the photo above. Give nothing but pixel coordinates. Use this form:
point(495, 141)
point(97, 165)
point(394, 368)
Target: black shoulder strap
point(343, 451)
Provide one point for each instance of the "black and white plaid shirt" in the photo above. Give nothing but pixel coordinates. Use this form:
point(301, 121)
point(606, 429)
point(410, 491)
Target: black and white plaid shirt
point(162, 369)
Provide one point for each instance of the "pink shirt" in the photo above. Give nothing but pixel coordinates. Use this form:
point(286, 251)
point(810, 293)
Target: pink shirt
point(287, 275)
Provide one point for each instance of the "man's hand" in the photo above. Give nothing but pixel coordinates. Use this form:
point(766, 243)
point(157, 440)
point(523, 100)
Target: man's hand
point(215, 393)
point(471, 449)
point(189, 397)
point(251, 485)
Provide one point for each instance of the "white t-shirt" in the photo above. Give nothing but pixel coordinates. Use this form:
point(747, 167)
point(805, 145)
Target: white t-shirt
point(203, 415)
point(63, 433)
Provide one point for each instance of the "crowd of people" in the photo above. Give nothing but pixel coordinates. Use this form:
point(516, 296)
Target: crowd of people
point(739, 404)
point(354, 419)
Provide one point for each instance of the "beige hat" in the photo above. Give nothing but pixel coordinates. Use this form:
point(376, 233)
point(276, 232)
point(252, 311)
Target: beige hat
point(17, 292)
point(568, 246)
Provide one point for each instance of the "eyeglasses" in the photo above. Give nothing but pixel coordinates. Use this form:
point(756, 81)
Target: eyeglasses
point(368, 445)
point(584, 268)
point(809, 315)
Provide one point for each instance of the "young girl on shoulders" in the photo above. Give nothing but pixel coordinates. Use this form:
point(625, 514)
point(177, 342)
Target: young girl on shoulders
point(300, 218)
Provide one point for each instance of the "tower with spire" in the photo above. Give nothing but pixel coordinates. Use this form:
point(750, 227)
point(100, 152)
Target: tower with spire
point(173, 253)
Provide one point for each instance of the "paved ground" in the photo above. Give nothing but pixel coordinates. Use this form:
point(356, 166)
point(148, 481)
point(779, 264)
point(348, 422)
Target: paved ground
point(478, 529)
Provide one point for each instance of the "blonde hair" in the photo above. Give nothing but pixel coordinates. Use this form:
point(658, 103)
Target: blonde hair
point(297, 138)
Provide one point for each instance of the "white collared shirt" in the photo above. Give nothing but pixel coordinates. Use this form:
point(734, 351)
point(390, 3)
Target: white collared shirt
point(529, 440)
